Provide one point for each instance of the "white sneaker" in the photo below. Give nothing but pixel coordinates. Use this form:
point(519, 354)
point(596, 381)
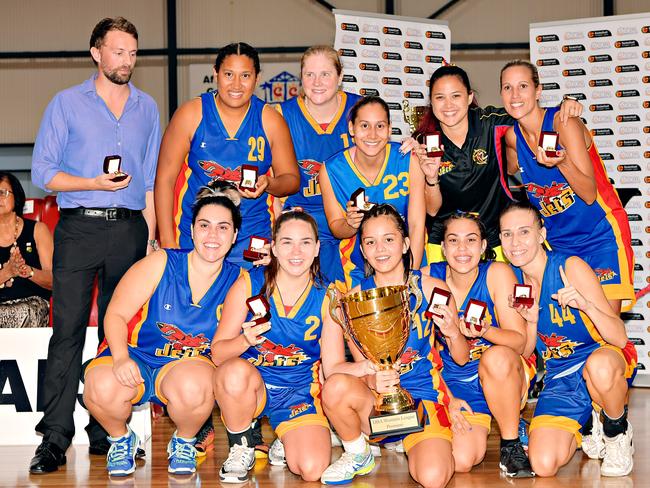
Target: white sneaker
point(618, 454)
point(593, 444)
point(335, 439)
point(397, 446)
point(276, 453)
point(241, 460)
point(345, 468)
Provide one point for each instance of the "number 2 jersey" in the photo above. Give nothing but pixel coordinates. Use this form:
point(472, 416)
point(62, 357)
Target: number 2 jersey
point(290, 353)
point(420, 361)
point(565, 337)
point(170, 325)
point(217, 155)
point(390, 186)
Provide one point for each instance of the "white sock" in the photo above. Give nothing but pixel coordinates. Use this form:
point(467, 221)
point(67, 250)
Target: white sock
point(114, 439)
point(356, 446)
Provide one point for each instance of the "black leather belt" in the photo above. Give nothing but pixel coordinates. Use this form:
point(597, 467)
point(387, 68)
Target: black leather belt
point(103, 213)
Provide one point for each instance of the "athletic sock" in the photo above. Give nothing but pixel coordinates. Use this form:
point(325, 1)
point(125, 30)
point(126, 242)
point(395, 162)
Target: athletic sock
point(509, 442)
point(239, 437)
point(355, 446)
point(614, 427)
point(588, 426)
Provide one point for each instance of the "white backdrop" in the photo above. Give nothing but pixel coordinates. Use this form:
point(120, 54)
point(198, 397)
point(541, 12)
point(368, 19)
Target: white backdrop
point(392, 57)
point(605, 62)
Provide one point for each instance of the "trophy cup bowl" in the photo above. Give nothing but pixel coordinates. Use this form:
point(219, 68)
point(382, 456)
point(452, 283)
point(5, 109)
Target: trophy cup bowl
point(413, 115)
point(378, 322)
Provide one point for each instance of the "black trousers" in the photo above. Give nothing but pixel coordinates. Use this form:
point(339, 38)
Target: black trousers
point(84, 247)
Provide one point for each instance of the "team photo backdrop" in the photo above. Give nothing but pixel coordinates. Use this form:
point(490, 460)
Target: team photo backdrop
point(392, 57)
point(605, 62)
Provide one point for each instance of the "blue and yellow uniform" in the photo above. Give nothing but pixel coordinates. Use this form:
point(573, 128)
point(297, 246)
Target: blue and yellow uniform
point(463, 381)
point(170, 327)
point(289, 358)
point(216, 154)
point(314, 144)
point(390, 186)
point(420, 366)
point(566, 338)
point(598, 233)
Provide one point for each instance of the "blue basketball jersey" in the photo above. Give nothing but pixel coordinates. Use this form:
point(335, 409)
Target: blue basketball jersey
point(390, 186)
point(290, 353)
point(314, 145)
point(217, 155)
point(169, 325)
point(565, 337)
point(573, 227)
point(477, 345)
point(420, 361)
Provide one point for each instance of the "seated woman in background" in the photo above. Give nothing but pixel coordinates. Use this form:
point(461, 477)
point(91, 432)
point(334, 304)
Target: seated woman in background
point(26, 249)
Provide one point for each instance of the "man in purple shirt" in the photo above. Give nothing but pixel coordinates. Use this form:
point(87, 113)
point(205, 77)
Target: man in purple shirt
point(107, 214)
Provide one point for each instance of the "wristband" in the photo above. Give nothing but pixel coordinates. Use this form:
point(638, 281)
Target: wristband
point(435, 183)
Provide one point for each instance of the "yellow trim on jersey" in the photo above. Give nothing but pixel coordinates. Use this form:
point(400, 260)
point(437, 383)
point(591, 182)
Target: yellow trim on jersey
point(346, 261)
point(557, 422)
point(363, 179)
point(279, 305)
point(432, 431)
point(591, 328)
point(133, 336)
point(332, 124)
point(232, 137)
point(189, 270)
point(181, 194)
point(247, 284)
point(479, 419)
point(302, 421)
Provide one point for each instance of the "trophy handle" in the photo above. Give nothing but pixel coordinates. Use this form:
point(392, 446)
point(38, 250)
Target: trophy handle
point(332, 294)
point(414, 288)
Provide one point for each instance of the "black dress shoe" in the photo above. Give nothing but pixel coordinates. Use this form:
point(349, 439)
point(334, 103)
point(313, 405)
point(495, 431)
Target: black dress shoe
point(48, 458)
point(100, 447)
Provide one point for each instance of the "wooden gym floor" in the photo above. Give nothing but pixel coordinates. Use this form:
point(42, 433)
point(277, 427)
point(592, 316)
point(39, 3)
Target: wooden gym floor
point(392, 468)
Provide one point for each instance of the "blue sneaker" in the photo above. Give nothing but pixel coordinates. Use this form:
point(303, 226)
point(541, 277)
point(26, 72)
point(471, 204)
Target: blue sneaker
point(120, 460)
point(349, 465)
point(523, 433)
point(182, 455)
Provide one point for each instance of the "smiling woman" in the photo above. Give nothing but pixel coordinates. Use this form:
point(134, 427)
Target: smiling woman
point(377, 167)
point(211, 138)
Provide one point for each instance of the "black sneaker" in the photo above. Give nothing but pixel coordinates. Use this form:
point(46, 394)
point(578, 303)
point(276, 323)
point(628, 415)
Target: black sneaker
point(261, 449)
point(205, 438)
point(514, 462)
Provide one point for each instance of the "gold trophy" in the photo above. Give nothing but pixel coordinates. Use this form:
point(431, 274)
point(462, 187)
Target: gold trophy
point(378, 321)
point(413, 115)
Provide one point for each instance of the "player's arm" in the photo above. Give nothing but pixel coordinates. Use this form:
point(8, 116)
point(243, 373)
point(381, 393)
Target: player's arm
point(229, 341)
point(338, 221)
point(174, 148)
point(576, 165)
point(583, 291)
point(286, 178)
point(416, 210)
point(448, 324)
point(511, 151)
point(512, 327)
point(132, 292)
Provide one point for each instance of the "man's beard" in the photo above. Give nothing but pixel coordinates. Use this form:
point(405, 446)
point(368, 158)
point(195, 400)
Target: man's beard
point(118, 78)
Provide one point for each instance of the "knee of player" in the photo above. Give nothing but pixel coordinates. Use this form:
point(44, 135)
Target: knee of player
point(335, 389)
point(234, 377)
point(189, 393)
point(464, 461)
point(543, 461)
point(604, 370)
point(433, 475)
point(498, 361)
point(309, 468)
point(102, 388)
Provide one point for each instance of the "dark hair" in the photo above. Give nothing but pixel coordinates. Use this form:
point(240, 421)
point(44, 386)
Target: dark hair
point(218, 193)
point(489, 253)
point(534, 74)
point(429, 122)
point(108, 24)
point(271, 271)
point(16, 189)
point(354, 111)
point(389, 211)
point(523, 205)
point(237, 49)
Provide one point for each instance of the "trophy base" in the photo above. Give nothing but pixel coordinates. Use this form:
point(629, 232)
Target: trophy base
point(394, 424)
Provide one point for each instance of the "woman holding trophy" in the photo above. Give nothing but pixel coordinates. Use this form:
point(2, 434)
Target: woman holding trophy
point(348, 399)
point(496, 379)
point(374, 170)
point(470, 177)
point(566, 180)
point(276, 318)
